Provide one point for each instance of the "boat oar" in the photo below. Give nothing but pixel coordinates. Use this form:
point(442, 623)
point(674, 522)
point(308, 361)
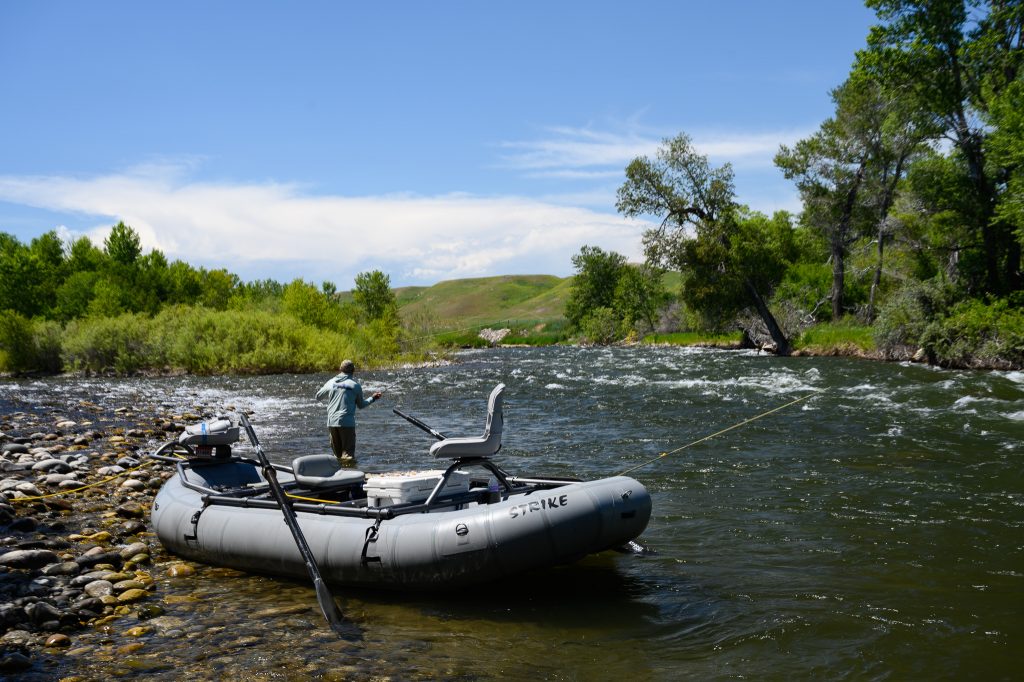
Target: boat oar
point(323, 595)
point(416, 422)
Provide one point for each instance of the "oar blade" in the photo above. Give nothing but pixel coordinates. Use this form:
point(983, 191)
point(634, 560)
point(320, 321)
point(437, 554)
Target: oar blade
point(331, 611)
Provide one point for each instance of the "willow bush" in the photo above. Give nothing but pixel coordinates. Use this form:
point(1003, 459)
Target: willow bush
point(978, 334)
point(28, 345)
point(203, 341)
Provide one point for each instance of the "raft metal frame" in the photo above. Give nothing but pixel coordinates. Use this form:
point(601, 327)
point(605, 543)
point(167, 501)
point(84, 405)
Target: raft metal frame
point(358, 508)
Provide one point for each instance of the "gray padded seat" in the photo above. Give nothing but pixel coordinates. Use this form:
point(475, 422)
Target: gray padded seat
point(484, 446)
point(323, 471)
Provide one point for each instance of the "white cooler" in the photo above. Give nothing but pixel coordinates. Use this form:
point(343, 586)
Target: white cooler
point(407, 487)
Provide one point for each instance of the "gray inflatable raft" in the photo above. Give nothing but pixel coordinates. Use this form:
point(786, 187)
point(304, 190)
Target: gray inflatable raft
point(468, 523)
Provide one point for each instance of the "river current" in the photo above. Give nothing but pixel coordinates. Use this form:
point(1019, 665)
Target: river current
point(872, 531)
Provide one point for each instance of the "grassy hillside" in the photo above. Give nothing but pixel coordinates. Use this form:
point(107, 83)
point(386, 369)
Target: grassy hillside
point(486, 300)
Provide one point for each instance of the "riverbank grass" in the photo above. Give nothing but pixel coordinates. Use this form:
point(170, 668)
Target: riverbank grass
point(717, 340)
point(845, 337)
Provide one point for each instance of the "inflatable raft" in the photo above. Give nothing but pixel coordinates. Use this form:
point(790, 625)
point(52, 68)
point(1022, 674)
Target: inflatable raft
point(467, 523)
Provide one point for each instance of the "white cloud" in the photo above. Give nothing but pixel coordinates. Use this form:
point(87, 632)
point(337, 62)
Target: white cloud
point(574, 153)
point(280, 231)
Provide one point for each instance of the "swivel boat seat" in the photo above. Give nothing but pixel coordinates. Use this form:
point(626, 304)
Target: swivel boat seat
point(486, 445)
point(475, 452)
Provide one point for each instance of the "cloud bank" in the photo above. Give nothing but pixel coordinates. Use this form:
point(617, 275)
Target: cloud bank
point(278, 230)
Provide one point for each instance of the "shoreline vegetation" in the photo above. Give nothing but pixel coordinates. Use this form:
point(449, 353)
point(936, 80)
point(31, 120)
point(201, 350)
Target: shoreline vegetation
point(305, 330)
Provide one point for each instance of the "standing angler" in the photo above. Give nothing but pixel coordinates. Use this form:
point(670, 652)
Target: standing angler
point(344, 395)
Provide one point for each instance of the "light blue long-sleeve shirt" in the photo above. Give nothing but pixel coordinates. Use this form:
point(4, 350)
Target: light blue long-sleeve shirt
point(344, 395)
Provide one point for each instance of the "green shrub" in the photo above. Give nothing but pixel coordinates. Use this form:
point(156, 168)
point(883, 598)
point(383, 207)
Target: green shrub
point(121, 344)
point(976, 334)
point(904, 317)
point(602, 325)
point(17, 349)
point(48, 338)
point(807, 286)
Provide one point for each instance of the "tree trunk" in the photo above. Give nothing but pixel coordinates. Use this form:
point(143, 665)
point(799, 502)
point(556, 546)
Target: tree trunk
point(838, 242)
point(838, 276)
point(782, 346)
point(877, 278)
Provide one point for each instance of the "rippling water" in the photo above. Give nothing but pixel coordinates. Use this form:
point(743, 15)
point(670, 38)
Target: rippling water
point(873, 531)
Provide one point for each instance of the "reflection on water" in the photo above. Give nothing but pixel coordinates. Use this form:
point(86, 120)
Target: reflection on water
point(872, 531)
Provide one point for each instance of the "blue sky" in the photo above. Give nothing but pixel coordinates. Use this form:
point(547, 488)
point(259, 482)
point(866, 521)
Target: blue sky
point(431, 140)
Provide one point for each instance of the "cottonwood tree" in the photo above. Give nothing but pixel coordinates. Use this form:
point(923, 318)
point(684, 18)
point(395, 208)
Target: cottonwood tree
point(729, 257)
point(954, 61)
point(374, 296)
point(593, 286)
point(848, 171)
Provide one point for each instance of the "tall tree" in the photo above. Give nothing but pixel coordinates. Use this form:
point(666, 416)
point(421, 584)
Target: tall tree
point(374, 296)
point(593, 286)
point(726, 261)
point(848, 171)
point(123, 244)
point(952, 59)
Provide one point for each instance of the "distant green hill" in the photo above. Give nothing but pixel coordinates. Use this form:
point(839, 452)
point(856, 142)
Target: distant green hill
point(487, 300)
point(494, 300)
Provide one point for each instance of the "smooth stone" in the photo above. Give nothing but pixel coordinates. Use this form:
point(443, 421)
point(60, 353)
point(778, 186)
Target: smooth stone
point(282, 611)
point(57, 479)
point(119, 576)
point(168, 622)
point(130, 648)
point(101, 536)
point(133, 595)
point(24, 524)
point(63, 568)
point(65, 424)
point(28, 489)
point(93, 558)
point(132, 510)
point(58, 640)
point(52, 465)
point(86, 578)
point(28, 558)
point(99, 588)
point(133, 484)
point(42, 612)
point(180, 571)
point(17, 637)
point(69, 484)
point(14, 661)
point(147, 611)
point(126, 585)
point(16, 448)
point(138, 631)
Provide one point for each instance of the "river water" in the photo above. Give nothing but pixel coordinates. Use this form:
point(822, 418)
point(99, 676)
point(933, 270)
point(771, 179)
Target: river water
point(872, 531)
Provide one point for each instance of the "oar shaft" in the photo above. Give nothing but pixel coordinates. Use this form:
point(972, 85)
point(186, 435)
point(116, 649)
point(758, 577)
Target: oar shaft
point(327, 604)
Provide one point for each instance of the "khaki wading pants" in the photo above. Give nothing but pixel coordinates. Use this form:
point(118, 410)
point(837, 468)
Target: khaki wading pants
point(343, 441)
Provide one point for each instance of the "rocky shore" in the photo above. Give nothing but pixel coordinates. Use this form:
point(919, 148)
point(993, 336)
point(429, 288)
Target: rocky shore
point(71, 556)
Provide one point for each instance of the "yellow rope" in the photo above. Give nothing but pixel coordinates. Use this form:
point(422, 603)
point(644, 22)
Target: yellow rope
point(719, 433)
point(311, 499)
point(75, 490)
